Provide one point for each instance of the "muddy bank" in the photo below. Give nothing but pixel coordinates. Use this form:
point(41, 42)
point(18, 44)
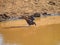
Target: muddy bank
point(39, 22)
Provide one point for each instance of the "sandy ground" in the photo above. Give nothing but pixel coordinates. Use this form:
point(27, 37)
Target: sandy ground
point(17, 32)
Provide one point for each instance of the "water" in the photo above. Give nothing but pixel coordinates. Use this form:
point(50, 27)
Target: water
point(1, 39)
point(46, 32)
point(43, 35)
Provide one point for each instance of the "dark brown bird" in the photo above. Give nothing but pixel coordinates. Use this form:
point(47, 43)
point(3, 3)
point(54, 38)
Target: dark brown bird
point(29, 20)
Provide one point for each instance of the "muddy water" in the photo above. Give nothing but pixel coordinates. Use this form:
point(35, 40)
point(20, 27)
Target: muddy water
point(46, 32)
point(42, 35)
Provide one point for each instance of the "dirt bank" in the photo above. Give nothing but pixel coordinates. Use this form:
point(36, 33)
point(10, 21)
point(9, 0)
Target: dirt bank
point(39, 21)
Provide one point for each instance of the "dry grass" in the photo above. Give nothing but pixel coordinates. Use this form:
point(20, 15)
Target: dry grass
point(19, 7)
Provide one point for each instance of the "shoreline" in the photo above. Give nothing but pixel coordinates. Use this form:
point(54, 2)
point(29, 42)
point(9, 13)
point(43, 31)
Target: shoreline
point(39, 21)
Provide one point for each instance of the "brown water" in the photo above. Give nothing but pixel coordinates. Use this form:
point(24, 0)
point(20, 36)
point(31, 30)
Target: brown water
point(42, 35)
point(46, 32)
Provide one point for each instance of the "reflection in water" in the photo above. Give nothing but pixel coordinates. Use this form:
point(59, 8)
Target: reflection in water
point(1, 39)
point(10, 44)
